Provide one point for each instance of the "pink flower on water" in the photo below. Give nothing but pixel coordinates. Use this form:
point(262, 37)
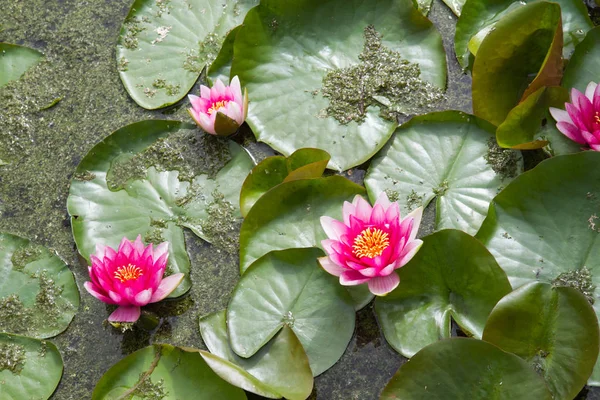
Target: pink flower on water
point(130, 277)
point(581, 120)
point(220, 110)
point(370, 244)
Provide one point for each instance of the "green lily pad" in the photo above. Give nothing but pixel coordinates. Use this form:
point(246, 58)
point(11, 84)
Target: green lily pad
point(423, 6)
point(29, 368)
point(221, 66)
point(479, 17)
point(449, 155)
point(15, 60)
point(285, 52)
point(456, 6)
point(163, 371)
point(558, 143)
point(262, 373)
point(525, 43)
point(290, 288)
point(302, 164)
point(465, 369)
point(585, 63)
point(38, 293)
point(288, 216)
point(453, 276)
point(554, 329)
point(522, 128)
point(545, 223)
point(153, 178)
point(165, 44)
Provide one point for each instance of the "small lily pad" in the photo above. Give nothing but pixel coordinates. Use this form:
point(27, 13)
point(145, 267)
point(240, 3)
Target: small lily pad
point(290, 288)
point(29, 368)
point(162, 371)
point(288, 216)
point(545, 223)
point(465, 369)
point(585, 63)
point(554, 329)
point(302, 164)
point(453, 276)
point(165, 44)
point(262, 373)
point(286, 53)
point(450, 156)
point(153, 178)
point(38, 293)
point(15, 60)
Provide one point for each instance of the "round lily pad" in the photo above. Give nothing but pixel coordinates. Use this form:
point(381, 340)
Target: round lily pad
point(288, 216)
point(478, 17)
point(453, 276)
point(153, 178)
point(544, 225)
point(302, 164)
point(164, 372)
point(262, 373)
point(450, 156)
point(584, 65)
point(298, 58)
point(554, 329)
point(15, 60)
point(290, 288)
point(29, 368)
point(526, 42)
point(465, 369)
point(165, 44)
point(38, 293)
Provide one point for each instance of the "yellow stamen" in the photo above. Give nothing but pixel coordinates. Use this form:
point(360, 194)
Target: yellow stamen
point(370, 243)
point(216, 106)
point(597, 117)
point(128, 273)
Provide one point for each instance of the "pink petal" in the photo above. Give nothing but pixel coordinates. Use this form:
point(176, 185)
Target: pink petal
point(94, 291)
point(352, 278)
point(409, 252)
point(234, 111)
point(378, 215)
point(587, 110)
point(236, 90)
point(125, 247)
point(383, 200)
point(160, 250)
point(330, 246)
point(330, 266)
point(595, 147)
point(206, 123)
point(387, 269)
point(166, 287)
point(392, 214)
point(217, 91)
point(143, 297)
point(590, 90)
point(100, 248)
point(560, 115)
point(597, 98)
point(363, 209)
point(348, 209)
point(368, 272)
point(125, 314)
point(382, 285)
point(571, 131)
point(110, 253)
point(333, 228)
point(205, 92)
point(138, 245)
point(196, 103)
point(416, 215)
point(115, 297)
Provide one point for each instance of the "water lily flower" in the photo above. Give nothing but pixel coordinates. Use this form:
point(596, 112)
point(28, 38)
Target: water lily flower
point(130, 277)
point(370, 244)
point(580, 121)
point(220, 110)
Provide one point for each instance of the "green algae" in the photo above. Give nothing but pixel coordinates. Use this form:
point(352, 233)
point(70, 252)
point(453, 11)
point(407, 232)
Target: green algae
point(25, 255)
point(150, 391)
point(413, 200)
point(14, 316)
point(222, 228)
point(580, 279)
point(12, 357)
point(392, 195)
point(383, 79)
point(504, 162)
point(84, 176)
point(442, 189)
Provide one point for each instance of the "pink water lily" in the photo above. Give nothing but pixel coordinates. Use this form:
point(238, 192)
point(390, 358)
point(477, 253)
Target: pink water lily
point(130, 277)
point(370, 244)
point(580, 121)
point(220, 110)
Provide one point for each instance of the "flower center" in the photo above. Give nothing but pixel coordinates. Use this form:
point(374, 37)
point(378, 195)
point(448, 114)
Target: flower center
point(597, 117)
point(370, 243)
point(216, 106)
point(128, 273)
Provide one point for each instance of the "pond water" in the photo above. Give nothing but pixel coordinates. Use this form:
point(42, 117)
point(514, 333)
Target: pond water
point(43, 146)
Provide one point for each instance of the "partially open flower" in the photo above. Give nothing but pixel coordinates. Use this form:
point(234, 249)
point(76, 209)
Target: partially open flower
point(130, 277)
point(581, 120)
point(220, 110)
point(370, 244)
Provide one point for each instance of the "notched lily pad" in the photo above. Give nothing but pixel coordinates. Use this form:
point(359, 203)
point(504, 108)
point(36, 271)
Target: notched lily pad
point(584, 65)
point(545, 223)
point(165, 44)
point(462, 368)
point(302, 164)
point(262, 373)
point(15, 60)
point(304, 64)
point(162, 371)
point(38, 293)
point(554, 329)
point(153, 178)
point(453, 276)
point(29, 368)
point(450, 156)
point(289, 288)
